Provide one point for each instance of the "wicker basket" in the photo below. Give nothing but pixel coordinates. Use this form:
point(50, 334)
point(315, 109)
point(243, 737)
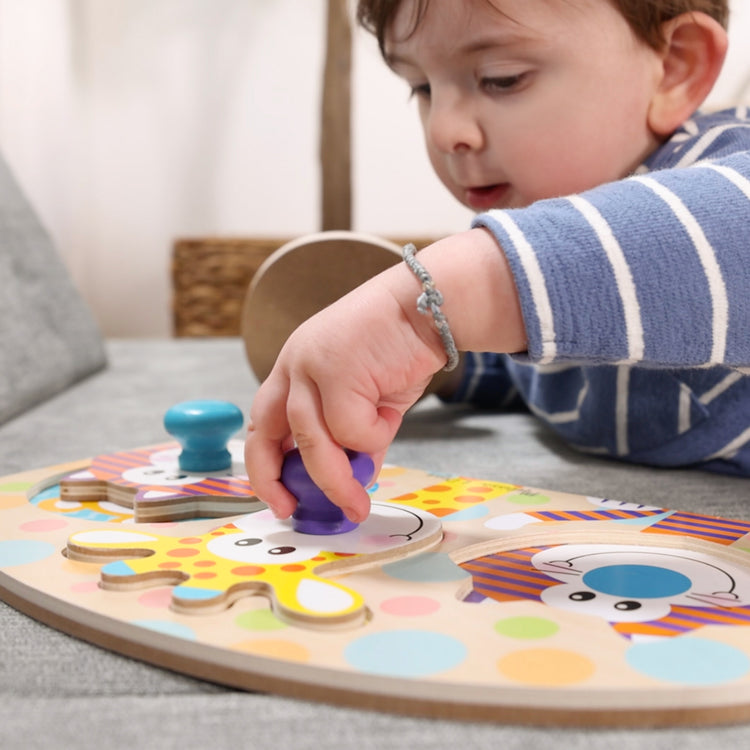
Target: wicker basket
point(211, 275)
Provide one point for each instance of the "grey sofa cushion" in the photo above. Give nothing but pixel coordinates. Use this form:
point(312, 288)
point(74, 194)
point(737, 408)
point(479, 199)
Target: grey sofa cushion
point(48, 337)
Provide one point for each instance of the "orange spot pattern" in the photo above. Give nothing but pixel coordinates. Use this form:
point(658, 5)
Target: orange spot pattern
point(454, 495)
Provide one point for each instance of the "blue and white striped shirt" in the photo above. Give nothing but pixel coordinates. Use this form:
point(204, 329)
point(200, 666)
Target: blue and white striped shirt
point(636, 300)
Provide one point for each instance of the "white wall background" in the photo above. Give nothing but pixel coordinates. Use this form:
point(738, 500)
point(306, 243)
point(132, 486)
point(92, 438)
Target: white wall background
point(129, 123)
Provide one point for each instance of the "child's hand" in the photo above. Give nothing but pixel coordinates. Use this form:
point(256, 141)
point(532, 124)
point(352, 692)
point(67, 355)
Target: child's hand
point(346, 377)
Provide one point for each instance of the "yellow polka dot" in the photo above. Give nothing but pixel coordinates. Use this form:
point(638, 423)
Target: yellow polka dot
point(275, 648)
point(12, 501)
point(546, 667)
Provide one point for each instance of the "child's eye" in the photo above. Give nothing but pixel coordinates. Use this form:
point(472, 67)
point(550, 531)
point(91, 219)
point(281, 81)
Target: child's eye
point(421, 90)
point(503, 84)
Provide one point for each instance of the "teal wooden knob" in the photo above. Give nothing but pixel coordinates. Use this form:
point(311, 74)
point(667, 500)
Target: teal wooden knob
point(203, 429)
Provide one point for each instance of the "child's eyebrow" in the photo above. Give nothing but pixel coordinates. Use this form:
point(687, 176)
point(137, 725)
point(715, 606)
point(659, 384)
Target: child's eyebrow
point(506, 38)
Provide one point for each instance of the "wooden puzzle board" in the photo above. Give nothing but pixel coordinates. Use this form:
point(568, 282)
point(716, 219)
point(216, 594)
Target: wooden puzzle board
point(496, 622)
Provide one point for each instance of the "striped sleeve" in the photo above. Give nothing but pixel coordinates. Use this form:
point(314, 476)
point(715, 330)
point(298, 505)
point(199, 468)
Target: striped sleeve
point(654, 269)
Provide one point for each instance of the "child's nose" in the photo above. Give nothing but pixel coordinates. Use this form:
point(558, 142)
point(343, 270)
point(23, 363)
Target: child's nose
point(453, 126)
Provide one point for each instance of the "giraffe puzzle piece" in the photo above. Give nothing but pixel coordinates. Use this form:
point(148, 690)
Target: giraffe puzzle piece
point(258, 554)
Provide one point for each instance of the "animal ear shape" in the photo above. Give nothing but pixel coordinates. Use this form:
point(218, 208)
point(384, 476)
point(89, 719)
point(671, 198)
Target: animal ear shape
point(692, 57)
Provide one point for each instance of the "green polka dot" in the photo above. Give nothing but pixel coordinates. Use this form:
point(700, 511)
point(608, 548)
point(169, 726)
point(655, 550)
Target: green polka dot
point(15, 486)
point(526, 628)
point(259, 619)
point(528, 498)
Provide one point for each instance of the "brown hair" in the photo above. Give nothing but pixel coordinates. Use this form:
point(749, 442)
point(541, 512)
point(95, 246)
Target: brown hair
point(645, 17)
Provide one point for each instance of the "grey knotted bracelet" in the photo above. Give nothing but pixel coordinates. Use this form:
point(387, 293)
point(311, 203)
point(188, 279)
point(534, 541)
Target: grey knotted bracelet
point(429, 302)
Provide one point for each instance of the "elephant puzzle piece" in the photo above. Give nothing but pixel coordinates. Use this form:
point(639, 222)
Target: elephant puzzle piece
point(258, 554)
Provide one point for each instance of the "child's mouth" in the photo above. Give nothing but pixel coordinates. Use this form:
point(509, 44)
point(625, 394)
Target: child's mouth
point(486, 196)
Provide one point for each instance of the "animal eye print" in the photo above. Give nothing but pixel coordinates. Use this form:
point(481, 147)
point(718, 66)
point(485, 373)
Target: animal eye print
point(582, 596)
point(247, 542)
point(281, 550)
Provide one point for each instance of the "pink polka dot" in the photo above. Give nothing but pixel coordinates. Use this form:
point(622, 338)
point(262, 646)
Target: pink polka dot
point(85, 587)
point(410, 606)
point(156, 598)
point(45, 524)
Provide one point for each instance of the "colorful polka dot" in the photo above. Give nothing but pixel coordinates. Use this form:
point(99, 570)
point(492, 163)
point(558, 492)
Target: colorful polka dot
point(467, 514)
point(526, 628)
point(689, 661)
point(546, 667)
point(410, 606)
point(15, 486)
point(85, 587)
point(275, 649)
point(42, 525)
point(22, 552)
point(168, 628)
point(156, 598)
point(259, 619)
point(12, 500)
point(405, 653)
point(526, 497)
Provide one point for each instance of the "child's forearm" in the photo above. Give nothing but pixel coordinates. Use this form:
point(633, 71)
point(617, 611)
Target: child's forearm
point(480, 299)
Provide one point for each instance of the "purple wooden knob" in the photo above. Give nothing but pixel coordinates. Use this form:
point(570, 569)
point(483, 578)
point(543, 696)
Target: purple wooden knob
point(315, 513)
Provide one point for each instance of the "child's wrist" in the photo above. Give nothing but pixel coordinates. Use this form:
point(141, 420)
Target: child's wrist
point(479, 297)
point(429, 302)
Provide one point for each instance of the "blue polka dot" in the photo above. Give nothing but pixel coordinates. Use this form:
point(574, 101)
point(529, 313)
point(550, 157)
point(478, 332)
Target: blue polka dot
point(22, 552)
point(467, 514)
point(688, 661)
point(637, 581)
point(405, 653)
point(432, 567)
point(168, 628)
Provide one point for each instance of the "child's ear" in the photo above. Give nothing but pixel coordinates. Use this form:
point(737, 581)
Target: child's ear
point(692, 57)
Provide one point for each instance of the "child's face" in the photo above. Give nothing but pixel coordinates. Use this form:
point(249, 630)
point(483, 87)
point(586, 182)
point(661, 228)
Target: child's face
point(528, 99)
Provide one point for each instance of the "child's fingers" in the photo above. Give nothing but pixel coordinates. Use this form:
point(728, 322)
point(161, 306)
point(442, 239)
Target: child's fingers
point(268, 438)
point(321, 448)
point(263, 460)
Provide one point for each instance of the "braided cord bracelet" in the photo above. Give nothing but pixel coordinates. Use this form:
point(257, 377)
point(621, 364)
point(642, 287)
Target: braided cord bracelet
point(429, 302)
